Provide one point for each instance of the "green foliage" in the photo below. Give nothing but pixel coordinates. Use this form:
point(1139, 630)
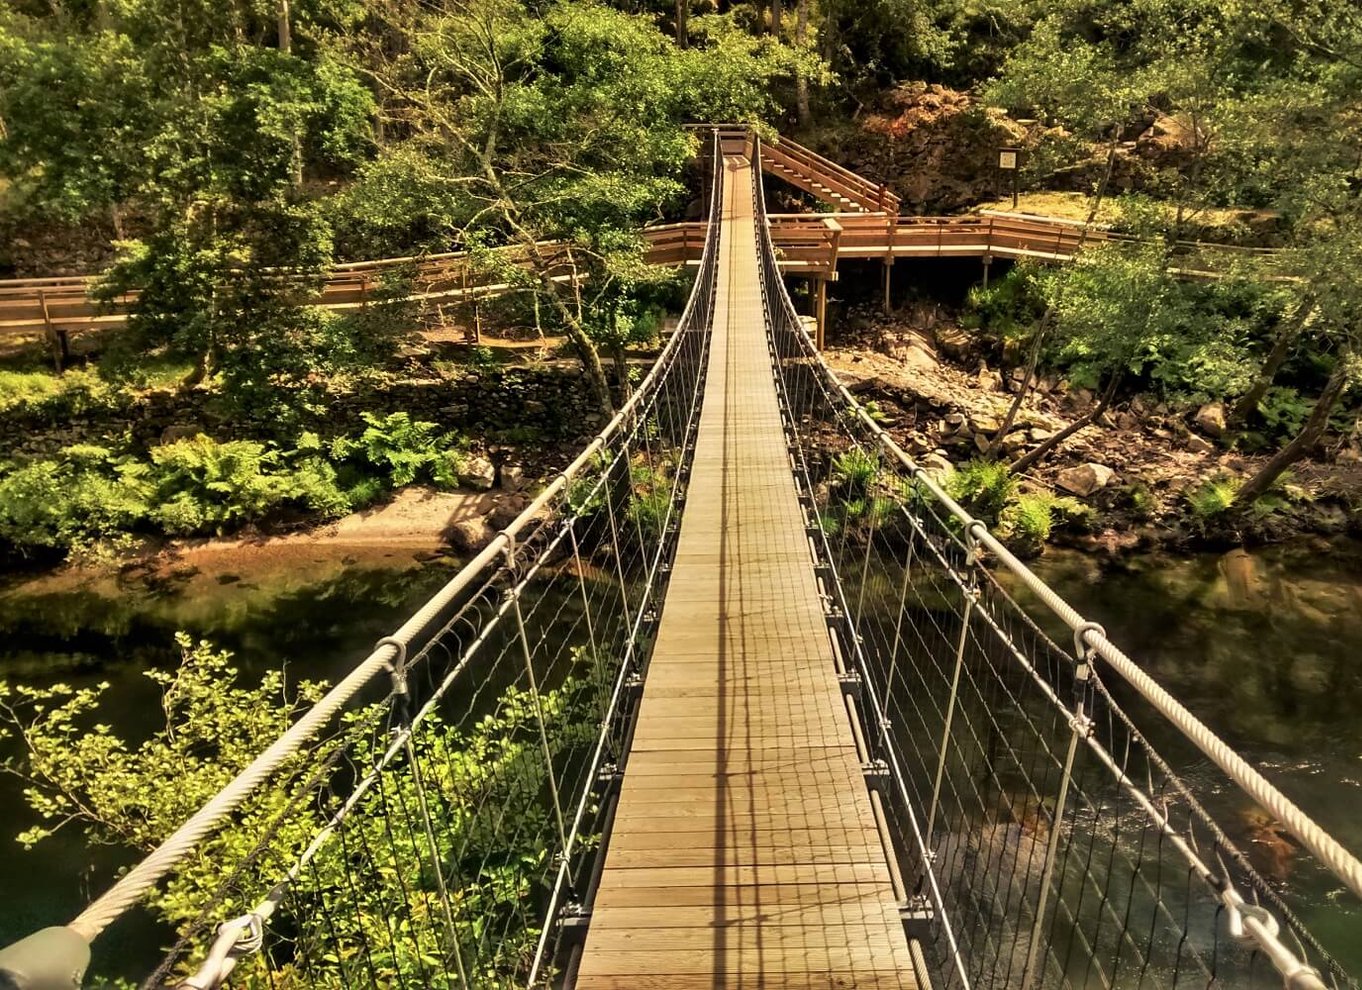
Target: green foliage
point(403, 450)
point(1143, 502)
point(78, 773)
point(1284, 410)
point(1026, 522)
point(983, 488)
point(1009, 307)
point(1212, 498)
point(854, 470)
point(200, 485)
point(72, 502)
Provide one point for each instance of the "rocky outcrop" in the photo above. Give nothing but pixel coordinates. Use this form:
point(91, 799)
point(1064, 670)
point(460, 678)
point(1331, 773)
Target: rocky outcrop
point(934, 146)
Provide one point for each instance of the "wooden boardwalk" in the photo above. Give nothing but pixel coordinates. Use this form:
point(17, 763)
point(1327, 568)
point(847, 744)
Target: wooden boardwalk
point(744, 852)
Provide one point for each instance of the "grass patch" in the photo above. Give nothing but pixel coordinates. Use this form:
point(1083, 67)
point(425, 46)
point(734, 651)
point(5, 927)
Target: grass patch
point(18, 388)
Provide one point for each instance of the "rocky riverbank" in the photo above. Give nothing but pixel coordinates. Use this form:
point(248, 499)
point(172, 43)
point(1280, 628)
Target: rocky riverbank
point(1148, 470)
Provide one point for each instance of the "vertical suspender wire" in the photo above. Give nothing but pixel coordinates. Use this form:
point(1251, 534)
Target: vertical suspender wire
point(445, 903)
point(970, 598)
point(539, 714)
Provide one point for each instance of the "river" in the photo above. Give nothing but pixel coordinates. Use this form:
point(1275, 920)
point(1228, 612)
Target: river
point(1264, 646)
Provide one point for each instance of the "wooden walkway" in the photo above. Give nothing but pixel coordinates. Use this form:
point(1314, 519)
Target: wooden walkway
point(744, 852)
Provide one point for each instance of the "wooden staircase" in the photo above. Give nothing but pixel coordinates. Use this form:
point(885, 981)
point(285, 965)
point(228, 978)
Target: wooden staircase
point(809, 172)
point(825, 180)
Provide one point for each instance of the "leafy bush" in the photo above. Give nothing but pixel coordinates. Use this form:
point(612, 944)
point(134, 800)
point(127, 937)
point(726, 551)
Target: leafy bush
point(854, 471)
point(79, 773)
point(57, 398)
point(1213, 497)
point(74, 501)
point(1008, 308)
point(402, 449)
point(1284, 410)
point(983, 488)
point(204, 485)
point(1027, 521)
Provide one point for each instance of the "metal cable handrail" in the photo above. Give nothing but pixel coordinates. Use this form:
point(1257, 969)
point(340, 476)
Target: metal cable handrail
point(1091, 642)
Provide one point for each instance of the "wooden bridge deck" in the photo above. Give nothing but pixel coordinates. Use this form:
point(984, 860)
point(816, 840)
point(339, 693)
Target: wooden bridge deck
point(744, 851)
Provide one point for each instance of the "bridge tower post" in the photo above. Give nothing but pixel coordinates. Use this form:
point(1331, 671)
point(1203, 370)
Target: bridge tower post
point(820, 309)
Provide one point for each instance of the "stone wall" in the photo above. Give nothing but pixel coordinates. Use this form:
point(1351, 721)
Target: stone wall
point(551, 399)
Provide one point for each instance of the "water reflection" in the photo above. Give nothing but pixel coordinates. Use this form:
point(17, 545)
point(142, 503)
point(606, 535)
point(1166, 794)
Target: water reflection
point(318, 613)
point(1264, 646)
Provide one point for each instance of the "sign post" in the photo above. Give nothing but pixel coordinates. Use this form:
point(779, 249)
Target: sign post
point(1009, 160)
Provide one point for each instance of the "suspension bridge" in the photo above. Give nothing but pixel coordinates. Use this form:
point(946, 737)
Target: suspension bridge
point(742, 699)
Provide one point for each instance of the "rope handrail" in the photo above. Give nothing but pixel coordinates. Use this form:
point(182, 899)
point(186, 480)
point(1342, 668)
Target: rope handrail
point(1246, 920)
point(133, 885)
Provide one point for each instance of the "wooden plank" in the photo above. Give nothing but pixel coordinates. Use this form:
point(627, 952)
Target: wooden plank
point(744, 850)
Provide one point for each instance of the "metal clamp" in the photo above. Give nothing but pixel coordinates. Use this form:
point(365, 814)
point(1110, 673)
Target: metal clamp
point(397, 667)
point(238, 938)
point(1082, 651)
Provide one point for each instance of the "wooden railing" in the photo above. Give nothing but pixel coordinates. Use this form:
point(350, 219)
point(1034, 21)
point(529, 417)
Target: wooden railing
point(826, 180)
point(809, 244)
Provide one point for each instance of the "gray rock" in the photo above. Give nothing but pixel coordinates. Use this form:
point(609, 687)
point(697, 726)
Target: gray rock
point(477, 472)
point(937, 466)
point(1210, 419)
point(1085, 479)
point(468, 536)
point(1199, 445)
point(506, 511)
point(180, 431)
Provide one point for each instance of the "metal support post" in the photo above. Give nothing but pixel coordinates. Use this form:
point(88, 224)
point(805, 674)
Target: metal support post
point(1080, 725)
point(971, 596)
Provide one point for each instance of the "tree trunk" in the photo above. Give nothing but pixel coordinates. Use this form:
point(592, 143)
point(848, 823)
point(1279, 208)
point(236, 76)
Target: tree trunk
point(286, 46)
point(1303, 442)
point(1033, 358)
point(682, 15)
point(1281, 350)
point(1031, 457)
point(801, 83)
point(776, 16)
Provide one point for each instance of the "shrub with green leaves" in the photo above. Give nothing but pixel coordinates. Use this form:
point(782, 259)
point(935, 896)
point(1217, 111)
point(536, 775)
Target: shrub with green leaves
point(204, 485)
point(79, 773)
point(983, 488)
point(1213, 497)
point(85, 495)
point(402, 450)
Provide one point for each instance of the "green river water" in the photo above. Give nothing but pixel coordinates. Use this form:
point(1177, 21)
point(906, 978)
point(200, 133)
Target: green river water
point(1265, 646)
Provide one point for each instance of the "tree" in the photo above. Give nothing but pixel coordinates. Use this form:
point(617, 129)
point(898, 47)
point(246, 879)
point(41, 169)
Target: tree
point(561, 134)
point(1114, 307)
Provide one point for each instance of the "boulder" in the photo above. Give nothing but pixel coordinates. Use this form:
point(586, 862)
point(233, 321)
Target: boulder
point(988, 379)
point(937, 466)
point(180, 431)
point(506, 510)
point(469, 536)
point(1085, 479)
point(1127, 421)
point(982, 422)
point(1199, 445)
point(1210, 419)
point(477, 472)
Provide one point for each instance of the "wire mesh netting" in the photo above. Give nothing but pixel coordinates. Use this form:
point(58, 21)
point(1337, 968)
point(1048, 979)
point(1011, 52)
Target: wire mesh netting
point(1044, 841)
point(443, 831)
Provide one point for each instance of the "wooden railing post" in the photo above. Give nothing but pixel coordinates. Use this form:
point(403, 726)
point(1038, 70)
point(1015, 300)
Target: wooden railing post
point(55, 341)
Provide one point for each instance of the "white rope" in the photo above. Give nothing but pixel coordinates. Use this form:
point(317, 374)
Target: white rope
point(1332, 854)
point(133, 885)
